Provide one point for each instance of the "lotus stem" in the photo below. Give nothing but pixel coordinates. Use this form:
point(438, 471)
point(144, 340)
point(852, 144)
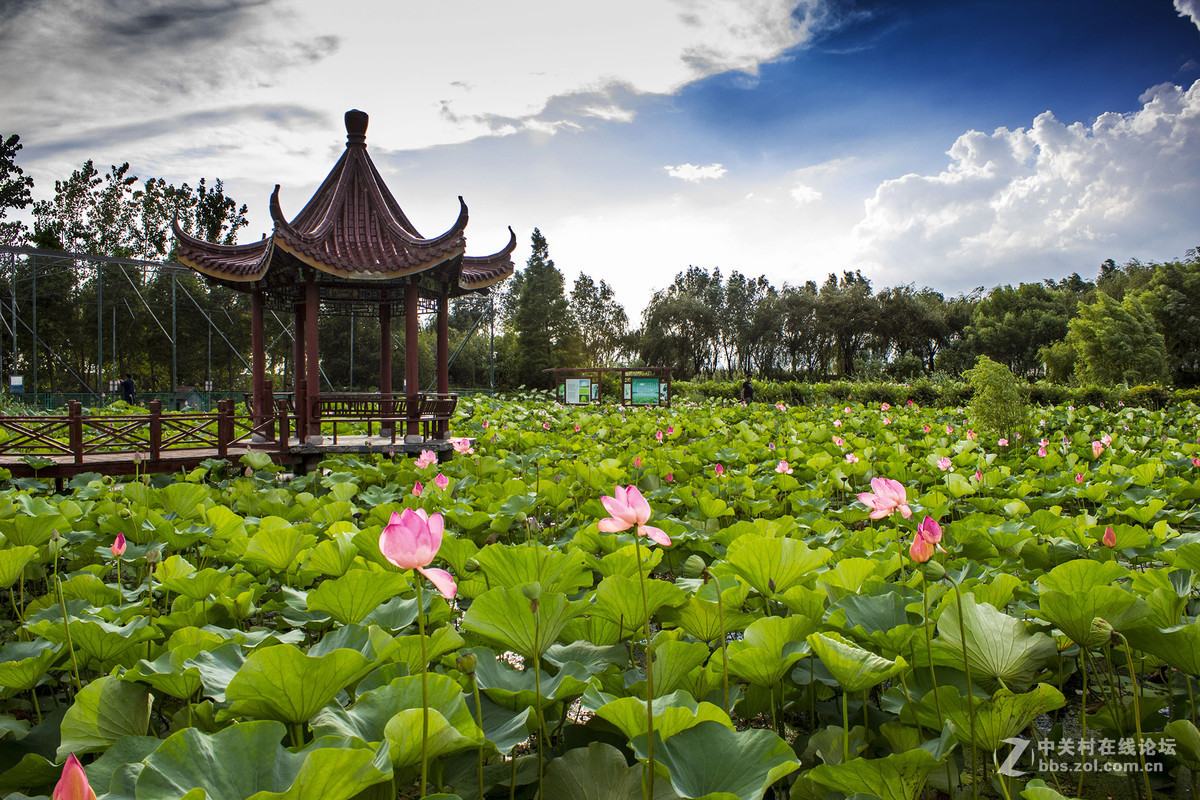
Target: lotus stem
point(537, 685)
point(424, 687)
point(724, 660)
point(62, 602)
point(1137, 716)
point(36, 707)
point(479, 715)
point(649, 784)
point(962, 636)
point(1082, 713)
point(845, 728)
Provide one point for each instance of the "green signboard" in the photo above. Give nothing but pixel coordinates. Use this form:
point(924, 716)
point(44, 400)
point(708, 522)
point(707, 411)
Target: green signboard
point(645, 391)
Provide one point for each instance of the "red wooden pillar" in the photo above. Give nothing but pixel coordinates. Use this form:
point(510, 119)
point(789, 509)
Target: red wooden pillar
point(385, 361)
point(258, 358)
point(443, 342)
point(312, 304)
point(299, 386)
point(412, 359)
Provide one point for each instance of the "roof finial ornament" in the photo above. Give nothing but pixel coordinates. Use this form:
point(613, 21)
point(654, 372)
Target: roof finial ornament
point(356, 128)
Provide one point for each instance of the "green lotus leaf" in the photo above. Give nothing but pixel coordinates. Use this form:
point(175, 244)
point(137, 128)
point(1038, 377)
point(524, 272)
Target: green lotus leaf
point(1081, 575)
point(673, 713)
point(702, 619)
point(285, 684)
point(86, 586)
point(185, 500)
point(593, 657)
point(350, 598)
point(504, 616)
point(13, 561)
point(514, 567)
point(35, 530)
point(709, 758)
point(1178, 645)
point(1038, 789)
point(517, 689)
point(880, 619)
point(1187, 742)
point(847, 576)
point(855, 669)
point(367, 719)
point(769, 648)
point(998, 647)
point(104, 711)
point(247, 762)
point(999, 717)
point(30, 770)
point(899, 776)
point(437, 644)
point(624, 561)
point(619, 600)
point(673, 662)
point(277, 549)
point(96, 640)
point(121, 762)
point(195, 585)
point(405, 730)
point(504, 728)
point(22, 664)
point(598, 772)
point(332, 556)
point(772, 566)
point(217, 668)
point(11, 726)
point(1073, 613)
point(170, 673)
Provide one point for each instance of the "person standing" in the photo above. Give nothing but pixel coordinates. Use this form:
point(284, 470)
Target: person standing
point(747, 391)
point(127, 389)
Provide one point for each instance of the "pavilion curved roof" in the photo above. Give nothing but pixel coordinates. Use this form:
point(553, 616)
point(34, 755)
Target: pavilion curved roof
point(352, 229)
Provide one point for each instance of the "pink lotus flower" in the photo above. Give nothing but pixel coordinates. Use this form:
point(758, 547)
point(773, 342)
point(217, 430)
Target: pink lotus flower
point(781, 406)
point(887, 421)
point(719, 470)
point(630, 509)
point(978, 475)
point(972, 435)
point(909, 403)
point(1196, 462)
point(417, 489)
point(949, 429)
point(1042, 452)
point(851, 458)
point(770, 445)
point(1043, 442)
point(1097, 449)
point(837, 423)
point(658, 435)
point(427, 459)
point(884, 407)
point(545, 426)
point(118, 546)
point(885, 497)
point(1106, 440)
point(411, 540)
point(846, 410)
point(1110, 537)
point(839, 441)
point(1079, 477)
point(670, 477)
point(925, 542)
point(637, 462)
point(670, 430)
point(925, 428)
point(462, 445)
point(783, 469)
point(944, 463)
point(1002, 442)
point(73, 785)
point(577, 429)
point(441, 481)
point(485, 424)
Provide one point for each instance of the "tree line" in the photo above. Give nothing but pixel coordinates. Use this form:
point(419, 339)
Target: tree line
point(1134, 323)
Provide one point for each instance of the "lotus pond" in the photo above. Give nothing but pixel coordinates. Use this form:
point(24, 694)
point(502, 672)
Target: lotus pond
point(792, 640)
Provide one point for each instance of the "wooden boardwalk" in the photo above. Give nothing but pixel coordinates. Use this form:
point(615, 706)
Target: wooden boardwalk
point(61, 447)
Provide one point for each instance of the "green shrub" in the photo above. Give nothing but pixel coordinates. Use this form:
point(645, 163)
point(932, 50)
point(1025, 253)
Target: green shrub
point(923, 392)
point(1048, 394)
point(999, 403)
point(1155, 397)
point(1091, 396)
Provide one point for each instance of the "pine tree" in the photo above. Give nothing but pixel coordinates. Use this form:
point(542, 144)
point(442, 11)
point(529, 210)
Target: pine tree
point(543, 322)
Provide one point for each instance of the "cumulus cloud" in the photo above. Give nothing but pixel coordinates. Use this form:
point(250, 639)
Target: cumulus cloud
point(1189, 8)
point(804, 194)
point(1051, 192)
point(694, 173)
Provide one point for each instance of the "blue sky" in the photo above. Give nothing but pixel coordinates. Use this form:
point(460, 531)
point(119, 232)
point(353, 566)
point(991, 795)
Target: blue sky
point(940, 143)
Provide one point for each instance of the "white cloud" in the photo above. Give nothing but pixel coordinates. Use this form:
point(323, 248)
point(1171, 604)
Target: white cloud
point(695, 173)
point(1050, 194)
point(1189, 8)
point(804, 194)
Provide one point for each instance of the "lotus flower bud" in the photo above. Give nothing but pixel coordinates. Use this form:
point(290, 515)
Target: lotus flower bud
point(55, 535)
point(472, 565)
point(532, 590)
point(467, 663)
point(153, 556)
point(693, 567)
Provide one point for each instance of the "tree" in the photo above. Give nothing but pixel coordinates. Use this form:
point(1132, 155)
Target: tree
point(1173, 298)
point(602, 321)
point(680, 324)
point(1011, 325)
point(848, 311)
point(545, 330)
point(15, 193)
point(1117, 342)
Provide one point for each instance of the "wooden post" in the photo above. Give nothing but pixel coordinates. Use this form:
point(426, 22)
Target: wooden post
point(312, 305)
point(258, 358)
point(222, 428)
point(75, 428)
point(155, 429)
point(269, 409)
point(284, 432)
point(443, 356)
point(412, 359)
point(385, 362)
point(299, 373)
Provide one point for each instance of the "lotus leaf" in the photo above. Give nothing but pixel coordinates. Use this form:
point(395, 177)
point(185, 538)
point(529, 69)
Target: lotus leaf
point(13, 561)
point(286, 684)
point(899, 776)
point(999, 717)
point(998, 647)
point(514, 567)
point(769, 647)
point(597, 772)
point(855, 669)
point(773, 566)
point(504, 616)
point(22, 664)
point(516, 689)
point(350, 598)
point(104, 711)
point(1178, 645)
point(673, 712)
point(619, 600)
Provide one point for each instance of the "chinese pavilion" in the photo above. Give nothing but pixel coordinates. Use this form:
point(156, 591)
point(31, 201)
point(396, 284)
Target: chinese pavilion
point(351, 249)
